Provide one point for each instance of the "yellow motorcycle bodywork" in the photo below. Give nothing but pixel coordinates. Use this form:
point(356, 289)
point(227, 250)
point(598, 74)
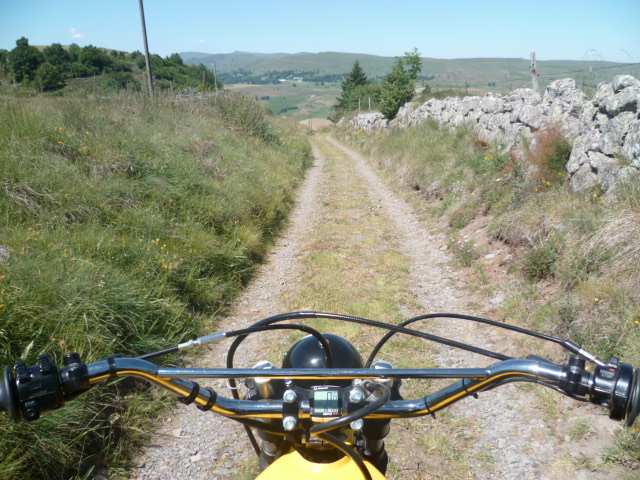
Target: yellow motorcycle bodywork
point(293, 466)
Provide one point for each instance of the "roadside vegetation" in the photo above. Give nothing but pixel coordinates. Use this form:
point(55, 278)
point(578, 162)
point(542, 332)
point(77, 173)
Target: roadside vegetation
point(127, 226)
point(572, 259)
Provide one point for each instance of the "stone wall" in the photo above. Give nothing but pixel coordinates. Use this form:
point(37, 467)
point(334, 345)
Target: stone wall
point(605, 130)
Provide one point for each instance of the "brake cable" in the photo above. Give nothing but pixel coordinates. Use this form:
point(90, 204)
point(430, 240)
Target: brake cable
point(567, 344)
point(364, 321)
point(218, 336)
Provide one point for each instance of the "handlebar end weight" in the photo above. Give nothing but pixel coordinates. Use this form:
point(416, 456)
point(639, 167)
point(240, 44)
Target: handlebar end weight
point(9, 395)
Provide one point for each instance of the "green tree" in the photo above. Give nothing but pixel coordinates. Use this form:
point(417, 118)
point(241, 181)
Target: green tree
point(3, 61)
point(355, 77)
point(398, 86)
point(413, 64)
point(48, 78)
point(354, 89)
point(56, 55)
point(74, 52)
point(176, 59)
point(24, 60)
point(94, 59)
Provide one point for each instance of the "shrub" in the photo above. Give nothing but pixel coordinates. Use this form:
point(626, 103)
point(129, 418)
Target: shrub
point(462, 216)
point(539, 263)
point(464, 252)
point(550, 154)
point(48, 78)
point(245, 115)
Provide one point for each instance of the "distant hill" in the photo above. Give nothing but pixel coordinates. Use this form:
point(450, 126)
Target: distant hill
point(487, 73)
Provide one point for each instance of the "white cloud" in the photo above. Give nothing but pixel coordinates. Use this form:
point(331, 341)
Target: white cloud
point(76, 34)
point(202, 40)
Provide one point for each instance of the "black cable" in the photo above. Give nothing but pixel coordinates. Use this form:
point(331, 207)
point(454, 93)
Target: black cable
point(347, 450)
point(312, 331)
point(252, 439)
point(159, 353)
point(242, 334)
point(471, 318)
point(364, 321)
point(321, 430)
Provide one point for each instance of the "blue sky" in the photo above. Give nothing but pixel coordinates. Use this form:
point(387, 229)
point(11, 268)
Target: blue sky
point(567, 30)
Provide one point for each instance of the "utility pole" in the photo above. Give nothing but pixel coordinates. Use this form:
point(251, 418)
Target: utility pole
point(534, 72)
point(146, 51)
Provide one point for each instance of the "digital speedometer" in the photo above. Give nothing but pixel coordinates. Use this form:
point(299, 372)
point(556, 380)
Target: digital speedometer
point(325, 401)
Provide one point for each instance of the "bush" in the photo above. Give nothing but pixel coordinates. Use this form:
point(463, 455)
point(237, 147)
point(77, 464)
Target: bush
point(121, 81)
point(550, 154)
point(244, 115)
point(48, 78)
point(539, 263)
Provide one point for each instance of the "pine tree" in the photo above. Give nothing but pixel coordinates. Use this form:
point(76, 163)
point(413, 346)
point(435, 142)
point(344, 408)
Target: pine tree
point(354, 82)
point(355, 77)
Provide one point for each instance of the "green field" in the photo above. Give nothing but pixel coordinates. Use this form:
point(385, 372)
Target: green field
point(305, 100)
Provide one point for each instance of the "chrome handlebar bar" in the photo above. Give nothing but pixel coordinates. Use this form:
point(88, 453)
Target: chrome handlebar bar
point(26, 392)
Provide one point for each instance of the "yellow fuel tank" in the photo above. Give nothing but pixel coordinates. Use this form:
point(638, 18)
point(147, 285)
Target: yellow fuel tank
point(293, 466)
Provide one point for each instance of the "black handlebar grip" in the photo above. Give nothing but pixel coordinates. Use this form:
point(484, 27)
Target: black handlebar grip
point(9, 395)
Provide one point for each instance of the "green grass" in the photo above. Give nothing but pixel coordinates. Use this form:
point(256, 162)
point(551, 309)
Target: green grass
point(128, 225)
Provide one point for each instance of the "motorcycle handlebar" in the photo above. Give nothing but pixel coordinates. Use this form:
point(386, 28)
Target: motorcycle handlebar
point(25, 391)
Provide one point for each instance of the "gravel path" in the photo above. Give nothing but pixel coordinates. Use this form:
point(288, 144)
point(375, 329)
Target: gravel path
point(516, 440)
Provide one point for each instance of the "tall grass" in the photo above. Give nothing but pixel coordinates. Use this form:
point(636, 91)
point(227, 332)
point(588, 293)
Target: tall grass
point(577, 256)
point(127, 226)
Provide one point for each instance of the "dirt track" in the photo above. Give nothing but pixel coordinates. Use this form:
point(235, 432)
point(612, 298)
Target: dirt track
point(507, 433)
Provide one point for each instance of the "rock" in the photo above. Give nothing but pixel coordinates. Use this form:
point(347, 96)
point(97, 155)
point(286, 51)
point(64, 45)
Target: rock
point(605, 130)
point(583, 179)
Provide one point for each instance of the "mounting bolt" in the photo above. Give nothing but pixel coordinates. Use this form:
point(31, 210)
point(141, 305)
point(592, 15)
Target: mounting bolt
point(289, 423)
point(356, 395)
point(357, 424)
point(289, 396)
